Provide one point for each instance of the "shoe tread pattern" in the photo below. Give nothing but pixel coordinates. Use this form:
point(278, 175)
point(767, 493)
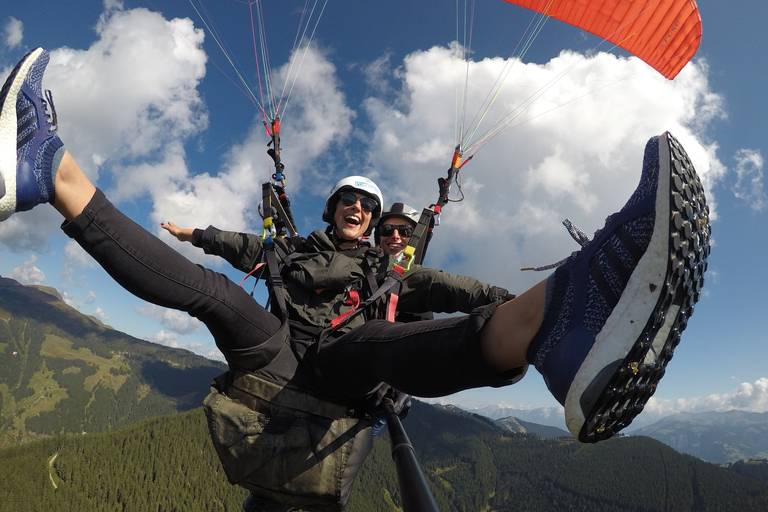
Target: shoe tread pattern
point(636, 378)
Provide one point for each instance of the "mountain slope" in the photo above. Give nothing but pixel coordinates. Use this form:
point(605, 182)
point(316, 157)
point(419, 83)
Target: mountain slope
point(168, 463)
point(718, 437)
point(61, 371)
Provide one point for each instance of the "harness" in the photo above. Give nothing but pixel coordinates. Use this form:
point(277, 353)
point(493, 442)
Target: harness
point(360, 295)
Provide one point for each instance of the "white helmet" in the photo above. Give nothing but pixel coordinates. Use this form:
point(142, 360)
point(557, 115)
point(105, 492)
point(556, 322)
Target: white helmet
point(360, 184)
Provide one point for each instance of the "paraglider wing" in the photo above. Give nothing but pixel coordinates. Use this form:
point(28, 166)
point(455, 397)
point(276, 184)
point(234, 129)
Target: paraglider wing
point(663, 33)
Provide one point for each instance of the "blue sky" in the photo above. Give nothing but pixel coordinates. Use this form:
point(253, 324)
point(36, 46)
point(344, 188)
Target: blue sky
point(169, 136)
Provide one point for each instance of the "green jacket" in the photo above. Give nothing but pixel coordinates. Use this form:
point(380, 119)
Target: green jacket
point(318, 276)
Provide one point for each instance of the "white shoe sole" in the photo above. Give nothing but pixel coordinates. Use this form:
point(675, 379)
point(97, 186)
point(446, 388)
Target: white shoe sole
point(638, 337)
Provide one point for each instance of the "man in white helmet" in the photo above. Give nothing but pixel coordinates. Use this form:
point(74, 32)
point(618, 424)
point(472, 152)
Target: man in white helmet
point(600, 329)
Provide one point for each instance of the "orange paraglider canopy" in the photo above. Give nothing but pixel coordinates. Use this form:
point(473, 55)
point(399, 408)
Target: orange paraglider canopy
point(663, 33)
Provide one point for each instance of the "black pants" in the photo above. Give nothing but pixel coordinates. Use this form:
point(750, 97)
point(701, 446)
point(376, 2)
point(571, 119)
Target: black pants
point(428, 358)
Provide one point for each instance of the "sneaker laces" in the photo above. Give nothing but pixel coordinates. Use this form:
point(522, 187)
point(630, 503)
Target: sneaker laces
point(578, 235)
point(50, 111)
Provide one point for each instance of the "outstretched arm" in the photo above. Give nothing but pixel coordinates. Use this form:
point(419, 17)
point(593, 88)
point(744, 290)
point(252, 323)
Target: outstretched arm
point(182, 234)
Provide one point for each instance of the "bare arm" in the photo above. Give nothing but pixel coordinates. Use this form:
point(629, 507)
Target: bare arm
point(184, 235)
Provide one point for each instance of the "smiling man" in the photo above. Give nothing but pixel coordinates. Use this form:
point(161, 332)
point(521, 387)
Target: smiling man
point(396, 227)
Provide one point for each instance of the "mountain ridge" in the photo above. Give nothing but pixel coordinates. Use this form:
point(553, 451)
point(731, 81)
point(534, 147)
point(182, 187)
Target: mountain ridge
point(62, 371)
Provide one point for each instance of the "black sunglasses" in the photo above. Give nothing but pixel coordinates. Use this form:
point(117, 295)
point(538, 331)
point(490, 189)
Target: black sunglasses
point(367, 204)
point(389, 230)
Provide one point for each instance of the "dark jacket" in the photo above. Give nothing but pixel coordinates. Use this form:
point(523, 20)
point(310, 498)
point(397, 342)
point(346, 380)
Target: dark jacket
point(319, 274)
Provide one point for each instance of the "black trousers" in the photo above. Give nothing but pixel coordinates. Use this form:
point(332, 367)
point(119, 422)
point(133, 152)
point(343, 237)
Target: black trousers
point(427, 358)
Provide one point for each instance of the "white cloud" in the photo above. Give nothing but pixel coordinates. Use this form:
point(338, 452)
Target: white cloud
point(177, 321)
point(141, 96)
point(29, 231)
point(74, 258)
point(169, 339)
point(78, 302)
point(126, 102)
point(748, 396)
point(578, 156)
point(100, 314)
point(28, 273)
point(13, 32)
point(749, 185)
point(227, 198)
point(173, 339)
point(576, 152)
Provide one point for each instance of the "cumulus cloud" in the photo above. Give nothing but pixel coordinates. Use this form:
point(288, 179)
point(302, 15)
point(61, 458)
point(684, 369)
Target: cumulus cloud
point(176, 321)
point(174, 340)
point(28, 273)
point(575, 152)
point(29, 232)
point(13, 32)
point(579, 154)
point(169, 339)
point(749, 185)
point(141, 100)
point(748, 396)
point(127, 101)
point(79, 302)
point(100, 314)
point(75, 258)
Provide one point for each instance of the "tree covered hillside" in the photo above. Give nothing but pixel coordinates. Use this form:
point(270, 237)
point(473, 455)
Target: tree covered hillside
point(169, 464)
point(61, 371)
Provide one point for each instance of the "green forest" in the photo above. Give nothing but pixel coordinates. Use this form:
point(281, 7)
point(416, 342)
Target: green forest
point(168, 464)
point(92, 419)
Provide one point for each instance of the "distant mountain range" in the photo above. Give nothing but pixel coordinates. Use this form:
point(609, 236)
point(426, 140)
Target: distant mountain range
point(552, 416)
point(718, 437)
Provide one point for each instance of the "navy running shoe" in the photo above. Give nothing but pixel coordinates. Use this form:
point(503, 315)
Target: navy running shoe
point(30, 148)
point(617, 307)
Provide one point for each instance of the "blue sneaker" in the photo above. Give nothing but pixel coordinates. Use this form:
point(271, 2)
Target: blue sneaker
point(616, 308)
point(30, 148)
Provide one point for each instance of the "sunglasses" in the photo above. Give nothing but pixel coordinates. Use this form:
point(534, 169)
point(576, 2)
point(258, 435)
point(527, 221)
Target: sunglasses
point(367, 204)
point(389, 230)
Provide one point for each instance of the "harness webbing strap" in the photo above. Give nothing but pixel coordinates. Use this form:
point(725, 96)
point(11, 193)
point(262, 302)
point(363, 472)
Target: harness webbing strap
point(275, 279)
point(392, 307)
point(394, 295)
point(249, 274)
point(353, 299)
point(393, 279)
point(369, 276)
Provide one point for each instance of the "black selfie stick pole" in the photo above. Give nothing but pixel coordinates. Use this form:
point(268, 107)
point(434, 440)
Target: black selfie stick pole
point(416, 495)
